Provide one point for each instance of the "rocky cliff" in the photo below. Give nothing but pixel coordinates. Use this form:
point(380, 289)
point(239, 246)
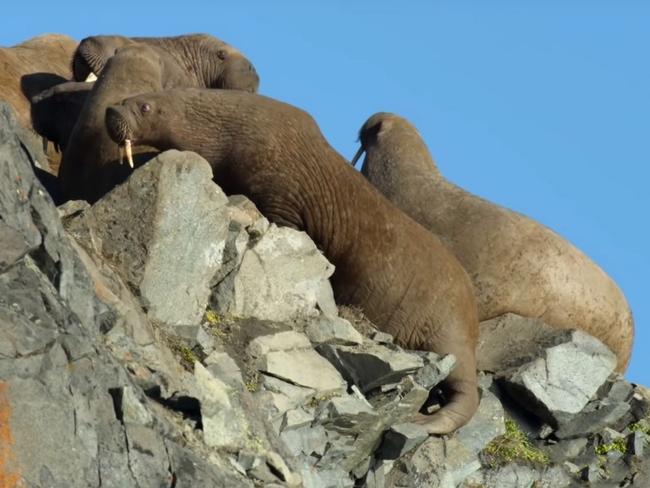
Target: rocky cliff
point(170, 336)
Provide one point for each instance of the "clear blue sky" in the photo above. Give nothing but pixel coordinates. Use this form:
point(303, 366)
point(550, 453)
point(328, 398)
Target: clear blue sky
point(543, 108)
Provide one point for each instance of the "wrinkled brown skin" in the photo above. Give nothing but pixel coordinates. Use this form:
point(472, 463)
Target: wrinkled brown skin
point(90, 166)
point(128, 66)
point(55, 111)
point(31, 67)
point(516, 264)
point(396, 271)
point(207, 61)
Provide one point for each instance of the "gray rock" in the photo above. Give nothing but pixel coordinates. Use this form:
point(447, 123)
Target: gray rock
point(510, 340)
point(142, 228)
point(435, 370)
point(280, 278)
point(599, 413)
point(564, 450)
point(223, 367)
point(487, 423)
point(307, 440)
point(333, 330)
point(296, 418)
point(224, 422)
point(558, 385)
point(441, 463)
point(520, 476)
point(303, 368)
point(279, 341)
point(296, 394)
point(636, 442)
point(400, 439)
point(348, 414)
point(373, 365)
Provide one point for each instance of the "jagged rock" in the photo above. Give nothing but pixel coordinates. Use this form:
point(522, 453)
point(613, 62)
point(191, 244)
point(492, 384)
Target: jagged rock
point(303, 367)
point(636, 442)
point(195, 336)
point(223, 367)
point(372, 366)
point(296, 418)
point(334, 330)
point(559, 384)
point(441, 463)
point(297, 395)
point(279, 341)
point(435, 369)
point(563, 450)
point(223, 419)
point(306, 440)
point(71, 414)
point(521, 476)
point(486, 424)
point(599, 413)
point(400, 439)
point(348, 414)
point(280, 278)
point(510, 340)
point(143, 228)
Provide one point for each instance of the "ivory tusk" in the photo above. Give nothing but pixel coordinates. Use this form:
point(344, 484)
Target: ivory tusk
point(357, 156)
point(121, 149)
point(91, 77)
point(129, 153)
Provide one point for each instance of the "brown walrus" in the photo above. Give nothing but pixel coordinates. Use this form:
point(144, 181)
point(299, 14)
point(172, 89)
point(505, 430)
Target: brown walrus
point(396, 271)
point(31, 67)
point(207, 61)
point(90, 164)
point(517, 265)
point(55, 111)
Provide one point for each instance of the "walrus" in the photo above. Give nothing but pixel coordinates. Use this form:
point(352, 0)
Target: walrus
point(55, 111)
point(90, 165)
point(397, 272)
point(516, 264)
point(208, 61)
point(31, 67)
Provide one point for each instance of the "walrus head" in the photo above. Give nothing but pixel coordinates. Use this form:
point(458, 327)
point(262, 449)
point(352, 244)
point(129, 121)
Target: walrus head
point(391, 144)
point(93, 53)
point(140, 120)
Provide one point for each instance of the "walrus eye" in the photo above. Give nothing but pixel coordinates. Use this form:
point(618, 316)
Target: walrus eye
point(221, 54)
point(145, 107)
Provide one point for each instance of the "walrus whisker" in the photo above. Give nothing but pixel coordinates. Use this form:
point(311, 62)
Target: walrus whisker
point(357, 156)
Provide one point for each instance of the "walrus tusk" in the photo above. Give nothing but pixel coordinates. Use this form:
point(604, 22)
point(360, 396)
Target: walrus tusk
point(91, 77)
point(129, 153)
point(357, 156)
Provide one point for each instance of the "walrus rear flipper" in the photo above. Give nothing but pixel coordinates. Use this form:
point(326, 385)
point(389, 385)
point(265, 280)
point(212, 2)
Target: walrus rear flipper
point(456, 413)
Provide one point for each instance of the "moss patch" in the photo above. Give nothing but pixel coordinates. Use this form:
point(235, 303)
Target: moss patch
point(185, 354)
point(513, 446)
point(619, 445)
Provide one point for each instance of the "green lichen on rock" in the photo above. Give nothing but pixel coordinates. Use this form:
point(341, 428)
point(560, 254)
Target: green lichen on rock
point(619, 445)
point(642, 425)
point(513, 446)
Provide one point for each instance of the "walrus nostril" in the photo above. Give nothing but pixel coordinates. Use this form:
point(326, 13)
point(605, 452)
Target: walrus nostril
point(116, 125)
